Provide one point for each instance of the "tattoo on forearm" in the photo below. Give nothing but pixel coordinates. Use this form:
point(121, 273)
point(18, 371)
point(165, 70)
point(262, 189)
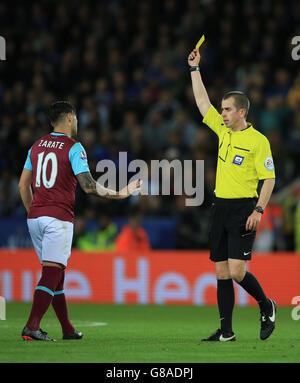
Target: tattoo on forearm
point(87, 182)
point(89, 185)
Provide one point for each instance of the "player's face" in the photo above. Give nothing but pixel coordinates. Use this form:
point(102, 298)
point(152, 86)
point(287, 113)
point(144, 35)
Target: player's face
point(231, 115)
point(74, 125)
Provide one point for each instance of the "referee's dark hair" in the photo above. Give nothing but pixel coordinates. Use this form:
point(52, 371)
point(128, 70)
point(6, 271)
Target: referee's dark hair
point(241, 101)
point(58, 110)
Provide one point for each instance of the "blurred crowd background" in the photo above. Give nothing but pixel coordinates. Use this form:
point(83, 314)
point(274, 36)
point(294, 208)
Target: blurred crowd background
point(123, 64)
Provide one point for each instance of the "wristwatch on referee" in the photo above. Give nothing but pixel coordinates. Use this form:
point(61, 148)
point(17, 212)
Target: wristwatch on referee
point(192, 68)
point(259, 209)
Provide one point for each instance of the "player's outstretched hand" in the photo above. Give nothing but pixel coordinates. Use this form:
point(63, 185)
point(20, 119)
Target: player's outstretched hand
point(132, 187)
point(194, 58)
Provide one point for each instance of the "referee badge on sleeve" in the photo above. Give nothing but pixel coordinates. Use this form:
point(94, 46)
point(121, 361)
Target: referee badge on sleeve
point(269, 164)
point(238, 160)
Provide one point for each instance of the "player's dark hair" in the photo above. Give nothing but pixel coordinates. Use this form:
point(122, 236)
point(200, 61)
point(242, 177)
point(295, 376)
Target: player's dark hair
point(58, 110)
point(241, 101)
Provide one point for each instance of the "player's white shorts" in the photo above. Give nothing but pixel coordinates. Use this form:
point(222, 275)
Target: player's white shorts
point(51, 238)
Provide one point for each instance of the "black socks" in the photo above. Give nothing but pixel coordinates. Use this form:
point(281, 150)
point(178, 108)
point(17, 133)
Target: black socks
point(252, 286)
point(225, 296)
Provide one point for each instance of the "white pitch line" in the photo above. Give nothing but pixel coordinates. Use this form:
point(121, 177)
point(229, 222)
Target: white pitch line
point(90, 324)
point(83, 324)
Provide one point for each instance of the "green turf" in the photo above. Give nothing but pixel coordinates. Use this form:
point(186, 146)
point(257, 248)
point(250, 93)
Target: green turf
point(154, 334)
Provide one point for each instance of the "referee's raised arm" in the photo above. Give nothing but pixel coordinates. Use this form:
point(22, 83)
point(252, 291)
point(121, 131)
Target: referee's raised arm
point(200, 93)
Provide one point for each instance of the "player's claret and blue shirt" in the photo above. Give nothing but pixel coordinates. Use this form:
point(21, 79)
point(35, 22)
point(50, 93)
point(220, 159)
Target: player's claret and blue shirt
point(77, 157)
point(55, 160)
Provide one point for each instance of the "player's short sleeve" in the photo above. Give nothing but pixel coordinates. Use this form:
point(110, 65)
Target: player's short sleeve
point(264, 163)
point(28, 164)
point(78, 159)
point(214, 120)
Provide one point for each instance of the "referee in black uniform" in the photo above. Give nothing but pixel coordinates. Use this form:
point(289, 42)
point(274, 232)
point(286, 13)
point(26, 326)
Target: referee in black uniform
point(244, 158)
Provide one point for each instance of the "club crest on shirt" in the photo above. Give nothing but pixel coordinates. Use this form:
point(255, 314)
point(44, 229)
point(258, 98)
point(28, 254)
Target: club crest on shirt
point(238, 160)
point(269, 163)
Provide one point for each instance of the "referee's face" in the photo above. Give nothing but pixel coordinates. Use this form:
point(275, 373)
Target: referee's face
point(231, 115)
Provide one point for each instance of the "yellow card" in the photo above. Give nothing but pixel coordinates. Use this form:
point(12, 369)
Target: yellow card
point(200, 42)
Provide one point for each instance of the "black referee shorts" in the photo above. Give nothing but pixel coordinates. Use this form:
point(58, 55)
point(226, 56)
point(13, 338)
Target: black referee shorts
point(228, 236)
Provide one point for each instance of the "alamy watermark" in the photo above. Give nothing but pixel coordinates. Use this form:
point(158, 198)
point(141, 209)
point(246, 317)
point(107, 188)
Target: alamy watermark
point(296, 310)
point(296, 49)
point(161, 177)
point(2, 48)
point(2, 308)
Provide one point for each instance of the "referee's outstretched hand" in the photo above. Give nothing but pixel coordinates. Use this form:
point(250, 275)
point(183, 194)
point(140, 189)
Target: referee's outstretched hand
point(194, 58)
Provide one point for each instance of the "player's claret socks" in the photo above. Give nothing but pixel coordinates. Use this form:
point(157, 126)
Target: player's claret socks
point(43, 295)
point(59, 304)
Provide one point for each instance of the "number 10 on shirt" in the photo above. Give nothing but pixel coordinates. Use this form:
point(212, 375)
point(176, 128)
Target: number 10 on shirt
point(41, 170)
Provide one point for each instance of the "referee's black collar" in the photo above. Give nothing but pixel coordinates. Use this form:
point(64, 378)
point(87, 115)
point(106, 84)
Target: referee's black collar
point(249, 125)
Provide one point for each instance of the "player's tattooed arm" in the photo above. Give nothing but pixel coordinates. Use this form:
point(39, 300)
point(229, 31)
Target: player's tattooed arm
point(90, 186)
point(87, 183)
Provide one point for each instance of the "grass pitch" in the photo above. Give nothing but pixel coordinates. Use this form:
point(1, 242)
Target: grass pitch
point(149, 334)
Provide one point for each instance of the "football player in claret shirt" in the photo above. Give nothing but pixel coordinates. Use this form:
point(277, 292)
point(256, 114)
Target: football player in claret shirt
point(54, 165)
